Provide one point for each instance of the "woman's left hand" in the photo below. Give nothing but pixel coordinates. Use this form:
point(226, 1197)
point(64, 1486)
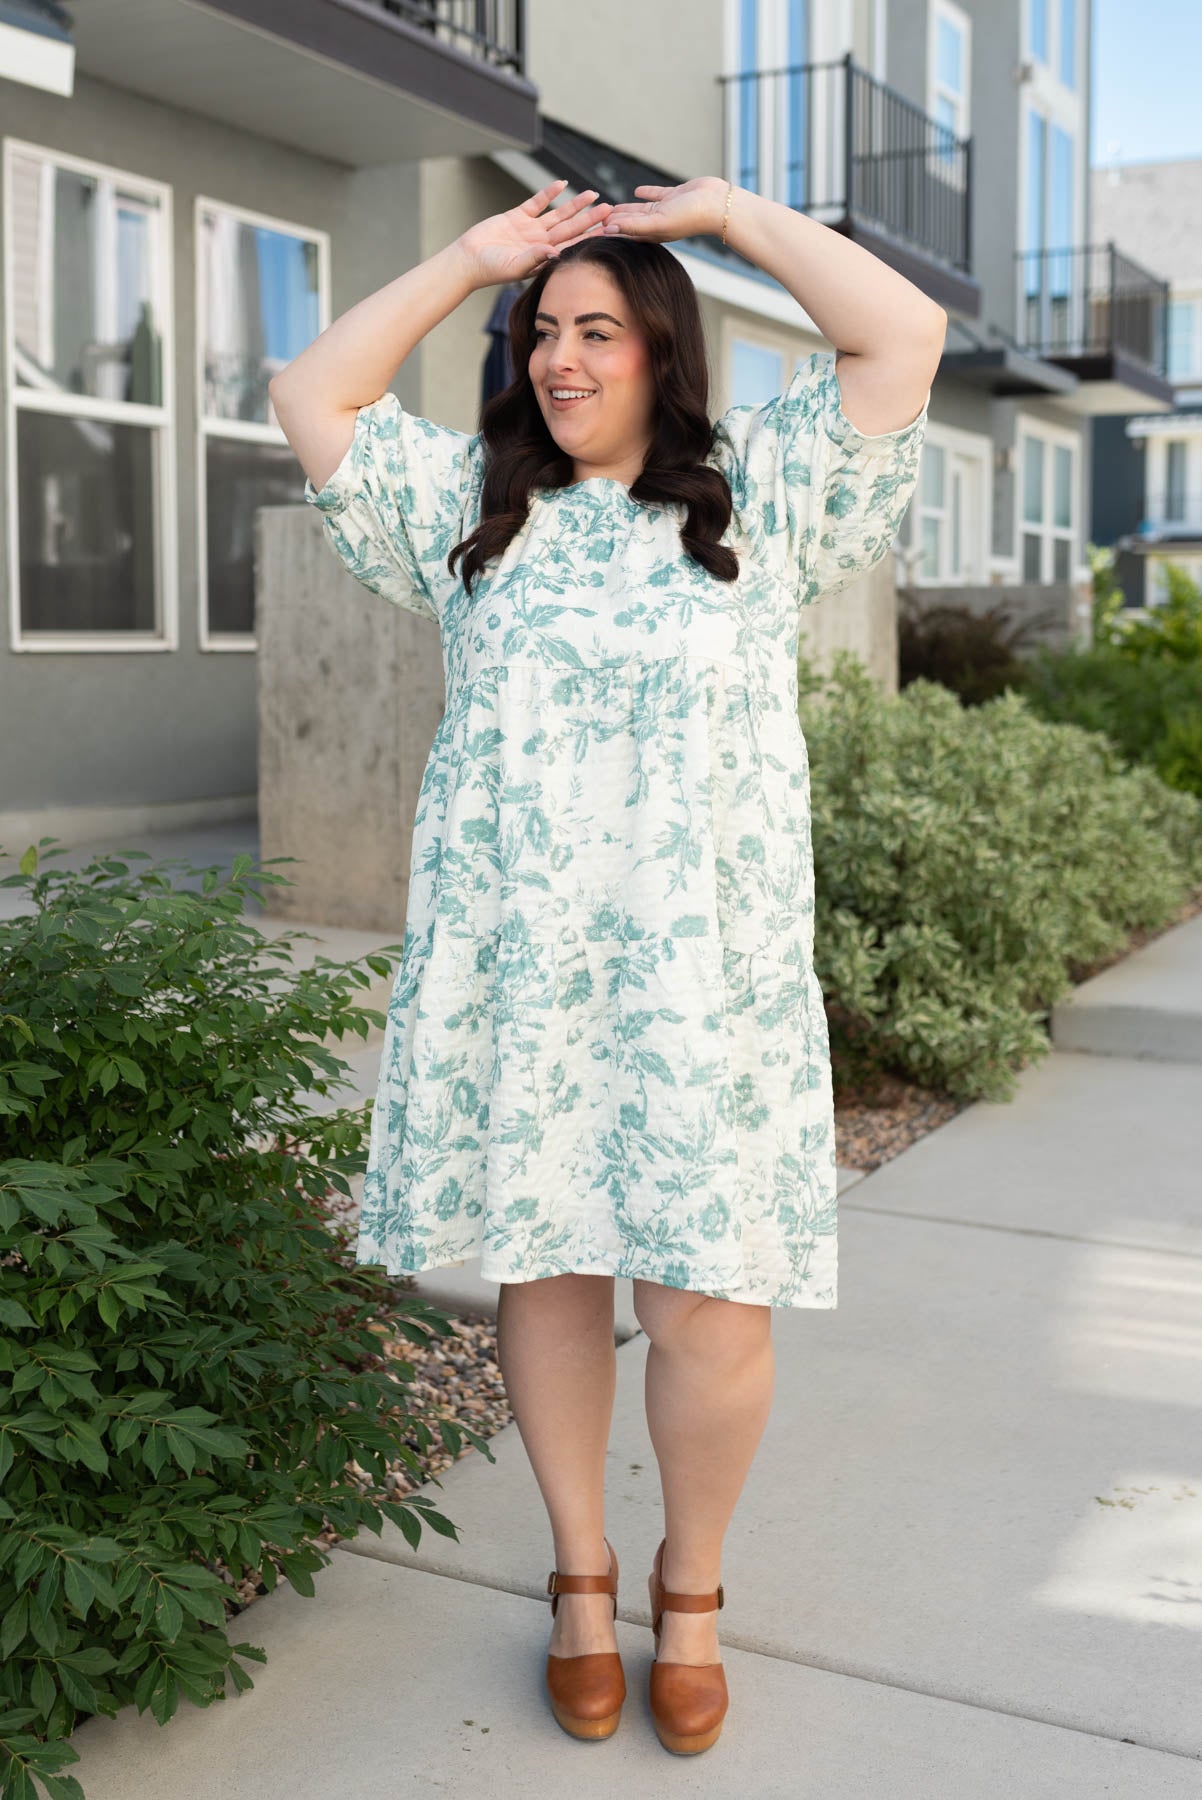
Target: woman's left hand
point(669, 212)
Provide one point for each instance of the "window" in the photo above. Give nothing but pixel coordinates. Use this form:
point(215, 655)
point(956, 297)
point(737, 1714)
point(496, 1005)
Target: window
point(767, 115)
point(1048, 486)
point(263, 295)
point(1052, 37)
point(1156, 583)
point(88, 306)
point(1185, 340)
point(948, 82)
point(757, 373)
point(1067, 58)
point(951, 529)
point(1051, 298)
point(1176, 453)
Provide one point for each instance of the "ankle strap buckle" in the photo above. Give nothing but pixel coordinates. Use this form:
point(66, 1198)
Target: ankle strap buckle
point(721, 1596)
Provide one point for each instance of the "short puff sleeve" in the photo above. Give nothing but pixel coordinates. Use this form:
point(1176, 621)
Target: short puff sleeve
point(820, 500)
point(398, 503)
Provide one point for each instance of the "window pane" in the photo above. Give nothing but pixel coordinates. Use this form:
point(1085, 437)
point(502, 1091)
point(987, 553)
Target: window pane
point(86, 519)
point(1175, 497)
point(261, 310)
point(757, 374)
point(1062, 485)
point(84, 314)
point(1181, 338)
point(1031, 558)
point(930, 475)
point(928, 565)
point(948, 71)
point(1062, 559)
point(242, 477)
point(1068, 43)
point(1033, 479)
point(1059, 267)
point(1039, 29)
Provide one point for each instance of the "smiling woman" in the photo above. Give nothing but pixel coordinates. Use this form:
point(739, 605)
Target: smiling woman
point(606, 1049)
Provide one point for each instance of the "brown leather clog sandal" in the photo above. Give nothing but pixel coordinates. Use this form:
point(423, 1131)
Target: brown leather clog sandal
point(688, 1700)
point(586, 1692)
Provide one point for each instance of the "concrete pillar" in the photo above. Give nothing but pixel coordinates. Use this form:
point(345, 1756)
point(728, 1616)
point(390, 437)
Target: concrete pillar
point(860, 617)
point(350, 693)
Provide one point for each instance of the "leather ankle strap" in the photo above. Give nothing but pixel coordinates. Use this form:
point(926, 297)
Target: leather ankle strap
point(670, 1602)
point(558, 1584)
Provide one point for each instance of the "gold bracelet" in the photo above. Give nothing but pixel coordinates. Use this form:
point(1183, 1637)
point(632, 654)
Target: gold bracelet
point(730, 194)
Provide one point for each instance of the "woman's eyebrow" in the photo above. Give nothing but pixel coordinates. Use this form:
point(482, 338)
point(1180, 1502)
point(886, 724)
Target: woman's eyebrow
point(581, 318)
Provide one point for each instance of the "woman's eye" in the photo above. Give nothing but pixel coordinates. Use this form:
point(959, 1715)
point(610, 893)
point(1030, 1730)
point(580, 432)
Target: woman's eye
point(592, 333)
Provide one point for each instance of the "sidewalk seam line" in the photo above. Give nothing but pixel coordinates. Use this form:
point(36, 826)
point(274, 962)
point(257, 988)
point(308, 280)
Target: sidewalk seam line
point(1036, 1231)
point(801, 1662)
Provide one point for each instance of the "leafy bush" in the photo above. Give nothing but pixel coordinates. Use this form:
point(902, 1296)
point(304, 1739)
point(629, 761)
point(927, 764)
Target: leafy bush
point(977, 655)
point(1170, 631)
point(189, 1361)
point(966, 860)
point(1151, 710)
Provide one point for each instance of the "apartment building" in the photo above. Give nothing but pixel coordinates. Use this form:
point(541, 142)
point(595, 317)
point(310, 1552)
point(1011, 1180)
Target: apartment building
point(190, 192)
point(1147, 493)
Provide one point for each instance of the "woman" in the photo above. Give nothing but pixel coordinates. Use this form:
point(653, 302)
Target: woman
point(606, 1049)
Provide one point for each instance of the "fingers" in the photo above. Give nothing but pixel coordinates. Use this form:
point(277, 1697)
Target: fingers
point(537, 201)
point(573, 213)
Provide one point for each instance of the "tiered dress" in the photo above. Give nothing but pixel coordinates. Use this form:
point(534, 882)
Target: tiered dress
point(606, 1048)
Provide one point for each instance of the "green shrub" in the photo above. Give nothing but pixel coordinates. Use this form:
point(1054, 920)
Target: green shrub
point(1169, 631)
point(966, 861)
point(1140, 682)
point(190, 1374)
point(1149, 708)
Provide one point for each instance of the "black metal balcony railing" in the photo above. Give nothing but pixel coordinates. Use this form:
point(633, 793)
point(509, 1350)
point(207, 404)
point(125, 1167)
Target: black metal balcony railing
point(830, 135)
point(491, 30)
point(1082, 300)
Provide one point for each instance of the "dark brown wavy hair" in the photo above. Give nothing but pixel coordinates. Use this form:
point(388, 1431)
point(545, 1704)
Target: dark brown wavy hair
point(521, 454)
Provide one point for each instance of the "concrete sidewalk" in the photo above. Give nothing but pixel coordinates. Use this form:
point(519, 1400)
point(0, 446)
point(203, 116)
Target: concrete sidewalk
point(968, 1560)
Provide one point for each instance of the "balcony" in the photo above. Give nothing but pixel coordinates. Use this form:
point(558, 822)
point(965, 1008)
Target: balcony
point(35, 45)
point(1101, 317)
point(831, 141)
point(359, 82)
point(1172, 515)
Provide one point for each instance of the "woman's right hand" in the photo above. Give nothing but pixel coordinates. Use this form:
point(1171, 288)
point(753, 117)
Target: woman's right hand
point(514, 244)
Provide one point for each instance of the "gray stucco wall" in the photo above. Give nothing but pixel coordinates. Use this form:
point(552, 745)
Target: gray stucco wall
point(119, 728)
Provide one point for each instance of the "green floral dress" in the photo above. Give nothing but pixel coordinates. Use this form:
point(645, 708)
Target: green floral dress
point(606, 1049)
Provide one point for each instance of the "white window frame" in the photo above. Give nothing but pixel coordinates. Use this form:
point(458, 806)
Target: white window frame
point(1189, 300)
point(238, 429)
point(944, 167)
point(160, 419)
point(1052, 437)
point(772, 52)
point(1178, 429)
point(1049, 70)
point(977, 450)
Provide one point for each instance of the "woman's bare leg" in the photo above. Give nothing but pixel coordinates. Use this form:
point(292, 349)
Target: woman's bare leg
point(709, 1383)
point(555, 1347)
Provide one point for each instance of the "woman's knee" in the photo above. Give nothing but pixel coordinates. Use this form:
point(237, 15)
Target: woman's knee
point(681, 1317)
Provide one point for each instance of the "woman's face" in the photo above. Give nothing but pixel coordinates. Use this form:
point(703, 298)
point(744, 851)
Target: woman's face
point(609, 433)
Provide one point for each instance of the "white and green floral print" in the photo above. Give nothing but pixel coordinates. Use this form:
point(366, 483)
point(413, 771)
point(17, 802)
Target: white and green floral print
point(606, 1047)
